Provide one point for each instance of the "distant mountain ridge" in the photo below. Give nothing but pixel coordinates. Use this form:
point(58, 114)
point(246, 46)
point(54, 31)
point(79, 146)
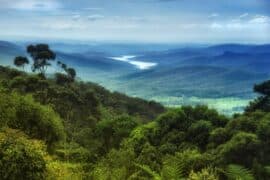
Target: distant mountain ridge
point(217, 71)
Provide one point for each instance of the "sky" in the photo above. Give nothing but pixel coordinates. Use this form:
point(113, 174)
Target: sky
point(155, 21)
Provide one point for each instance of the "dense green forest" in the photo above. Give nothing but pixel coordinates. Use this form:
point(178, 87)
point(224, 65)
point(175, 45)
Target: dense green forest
point(58, 127)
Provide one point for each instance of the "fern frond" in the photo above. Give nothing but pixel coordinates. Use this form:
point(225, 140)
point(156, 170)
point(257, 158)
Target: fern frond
point(237, 172)
point(267, 168)
point(149, 171)
point(180, 168)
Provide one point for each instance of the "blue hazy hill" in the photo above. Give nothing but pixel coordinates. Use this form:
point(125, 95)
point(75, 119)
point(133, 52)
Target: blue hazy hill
point(256, 62)
point(181, 74)
point(177, 55)
point(8, 51)
point(94, 61)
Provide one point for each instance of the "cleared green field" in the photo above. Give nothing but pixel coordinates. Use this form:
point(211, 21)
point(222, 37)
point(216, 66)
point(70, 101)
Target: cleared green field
point(227, 105)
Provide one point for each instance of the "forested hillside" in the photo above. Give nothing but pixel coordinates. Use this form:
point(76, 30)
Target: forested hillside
point(57, 127)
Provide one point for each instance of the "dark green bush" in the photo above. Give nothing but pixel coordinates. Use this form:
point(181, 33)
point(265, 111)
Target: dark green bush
point(37, 121)
point(21, 158)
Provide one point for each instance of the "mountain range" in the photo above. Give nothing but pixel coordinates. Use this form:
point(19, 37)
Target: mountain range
point(221, 76)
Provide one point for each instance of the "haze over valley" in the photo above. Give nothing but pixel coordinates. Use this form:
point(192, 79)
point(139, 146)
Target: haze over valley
point(221, 76)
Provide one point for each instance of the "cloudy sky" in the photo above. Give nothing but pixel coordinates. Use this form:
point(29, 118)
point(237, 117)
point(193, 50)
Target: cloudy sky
point(169, 21)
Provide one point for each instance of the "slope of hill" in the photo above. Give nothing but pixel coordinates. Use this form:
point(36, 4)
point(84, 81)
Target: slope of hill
point(73, 129)
point(201, 81)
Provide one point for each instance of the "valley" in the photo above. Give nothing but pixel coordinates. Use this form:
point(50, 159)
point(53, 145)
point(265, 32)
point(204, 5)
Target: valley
point(220, 76)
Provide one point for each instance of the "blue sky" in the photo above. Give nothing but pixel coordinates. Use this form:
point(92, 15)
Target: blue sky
point(168, 21)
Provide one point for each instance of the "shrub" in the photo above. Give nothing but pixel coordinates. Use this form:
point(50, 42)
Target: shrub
point(20, 157)
point(264, 129)
point(37, 121)
point(198, 133)
point(241, 149)
point(218, 136)
point(173, 119)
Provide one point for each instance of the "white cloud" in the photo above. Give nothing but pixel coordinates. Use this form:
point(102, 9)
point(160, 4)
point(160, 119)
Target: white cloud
point(236, 26)
point(63, 25)
point(216, 26)
point(259, 22)
point(137, 19)
point(34, 5)
point(243, 15)
point(240, 18)
point(95, 17)
point(214, 15)
point(188, 26)
point(260, 19)
point(93, 9)
point(76, 17)
point(57, 26)
point(246, 28)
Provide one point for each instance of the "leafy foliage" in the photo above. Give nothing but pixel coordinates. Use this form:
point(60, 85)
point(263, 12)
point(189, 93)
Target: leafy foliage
point(263, 101)
point(41, 55)
point(21, 157)
point(238, 172)
point(34, 119)
point(20, 61)
point(204, 174)
point(149, 171)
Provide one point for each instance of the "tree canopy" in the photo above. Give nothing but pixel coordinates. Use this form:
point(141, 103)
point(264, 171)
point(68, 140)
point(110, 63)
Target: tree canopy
point(20, 61)
point(41, 55)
